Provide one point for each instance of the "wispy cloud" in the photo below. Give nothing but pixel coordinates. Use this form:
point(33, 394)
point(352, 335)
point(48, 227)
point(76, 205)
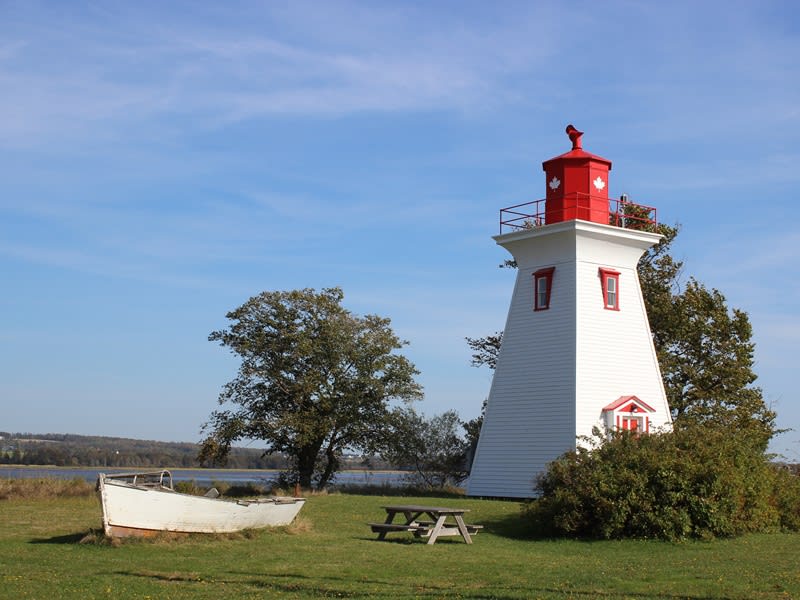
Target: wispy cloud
point(177, 68)
point(122, 67)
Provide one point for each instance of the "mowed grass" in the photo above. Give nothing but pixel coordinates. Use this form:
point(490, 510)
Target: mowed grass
point(48, 550)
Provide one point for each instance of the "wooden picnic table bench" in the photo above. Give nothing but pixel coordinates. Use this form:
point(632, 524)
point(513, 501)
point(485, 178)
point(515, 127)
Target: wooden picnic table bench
point(432, 529)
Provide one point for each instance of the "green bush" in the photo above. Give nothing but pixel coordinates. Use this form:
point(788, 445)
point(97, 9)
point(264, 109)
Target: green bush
point(698, 482)
point(45, 487)
point(787, 497)
point(189, 487)
point(242, 490)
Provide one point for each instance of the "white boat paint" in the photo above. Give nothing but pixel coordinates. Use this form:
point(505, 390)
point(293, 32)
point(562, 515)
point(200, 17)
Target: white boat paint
point(142, 504)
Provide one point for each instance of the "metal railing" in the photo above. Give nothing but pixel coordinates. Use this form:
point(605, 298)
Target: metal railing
point(621, 213)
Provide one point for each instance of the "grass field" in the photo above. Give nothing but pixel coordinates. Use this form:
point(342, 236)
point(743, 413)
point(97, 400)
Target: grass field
point(44, 554)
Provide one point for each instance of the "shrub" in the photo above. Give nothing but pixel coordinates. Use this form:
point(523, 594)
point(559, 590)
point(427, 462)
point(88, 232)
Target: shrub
point(697, 482)
point(787, 496)
point(189, 487)
point(243, 490)
point(47, 487)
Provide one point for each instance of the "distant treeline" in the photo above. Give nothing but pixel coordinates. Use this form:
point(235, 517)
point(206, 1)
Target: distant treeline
point(68, 450)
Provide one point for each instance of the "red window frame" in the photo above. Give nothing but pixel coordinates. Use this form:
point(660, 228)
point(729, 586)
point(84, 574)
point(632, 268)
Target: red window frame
point(610, 302)
point(545, 276)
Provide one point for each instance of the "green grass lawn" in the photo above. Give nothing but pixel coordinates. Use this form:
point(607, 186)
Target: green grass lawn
point(332, 553)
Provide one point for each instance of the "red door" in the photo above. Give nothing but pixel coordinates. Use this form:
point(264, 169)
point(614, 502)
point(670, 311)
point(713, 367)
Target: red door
point(630, 423)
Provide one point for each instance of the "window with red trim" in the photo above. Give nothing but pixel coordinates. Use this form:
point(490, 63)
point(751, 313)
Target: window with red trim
point(609, 280)
point(542, 285)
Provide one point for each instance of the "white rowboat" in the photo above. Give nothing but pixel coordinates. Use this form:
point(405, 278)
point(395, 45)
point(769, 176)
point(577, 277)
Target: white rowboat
point(142, 504)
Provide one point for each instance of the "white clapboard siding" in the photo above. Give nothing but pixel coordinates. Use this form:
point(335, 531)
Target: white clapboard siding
point(558, 368)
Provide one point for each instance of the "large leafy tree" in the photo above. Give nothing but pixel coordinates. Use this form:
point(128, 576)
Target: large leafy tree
point(704, 348)
point(314, 380)
point(706, 354)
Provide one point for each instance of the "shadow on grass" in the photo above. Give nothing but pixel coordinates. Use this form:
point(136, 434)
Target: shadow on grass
point(515, 527)
point(398, 491)
point(82, 537)
point(407, 539)
point(327, 587)
point(344, 587)
point(518, 527)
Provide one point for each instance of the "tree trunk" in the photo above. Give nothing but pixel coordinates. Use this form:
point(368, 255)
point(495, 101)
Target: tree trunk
point(306, 460)
point(331, 467)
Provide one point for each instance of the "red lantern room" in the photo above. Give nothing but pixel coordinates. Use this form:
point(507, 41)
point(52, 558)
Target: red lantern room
point(577, 184)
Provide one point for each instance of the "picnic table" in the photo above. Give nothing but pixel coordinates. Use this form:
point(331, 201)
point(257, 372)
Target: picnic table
point(434, 523)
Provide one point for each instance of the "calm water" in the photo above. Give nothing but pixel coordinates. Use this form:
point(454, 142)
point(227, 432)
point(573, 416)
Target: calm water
point(203, 477)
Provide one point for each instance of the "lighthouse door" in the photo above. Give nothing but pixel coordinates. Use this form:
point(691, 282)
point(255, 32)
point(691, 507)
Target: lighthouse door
point(631, 423)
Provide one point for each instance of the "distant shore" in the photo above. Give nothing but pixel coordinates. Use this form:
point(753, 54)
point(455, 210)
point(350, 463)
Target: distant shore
point(199, 474)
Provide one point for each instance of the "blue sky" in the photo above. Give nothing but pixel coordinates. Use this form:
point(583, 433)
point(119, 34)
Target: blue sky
point(162, 162)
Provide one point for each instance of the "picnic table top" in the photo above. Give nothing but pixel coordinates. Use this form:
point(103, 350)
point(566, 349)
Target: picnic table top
point(442, 510)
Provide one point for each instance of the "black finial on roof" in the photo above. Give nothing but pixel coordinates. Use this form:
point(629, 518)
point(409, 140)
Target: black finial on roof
point(575, 137)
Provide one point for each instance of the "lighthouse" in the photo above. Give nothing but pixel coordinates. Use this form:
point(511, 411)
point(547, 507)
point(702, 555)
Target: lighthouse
point(577, 352)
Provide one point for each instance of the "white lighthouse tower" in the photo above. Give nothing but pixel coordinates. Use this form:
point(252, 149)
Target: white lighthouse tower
point(577, 351)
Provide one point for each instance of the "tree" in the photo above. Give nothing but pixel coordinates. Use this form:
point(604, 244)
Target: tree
point(314, 380)
point(472, 430)
point(432, 447)
point(706, 354)
point(704, 348)
point(486, 349)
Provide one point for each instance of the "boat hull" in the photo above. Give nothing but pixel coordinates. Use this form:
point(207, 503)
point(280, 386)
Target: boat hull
point(130, 510)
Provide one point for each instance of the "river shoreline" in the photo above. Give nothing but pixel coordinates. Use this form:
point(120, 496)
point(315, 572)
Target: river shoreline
point(199, 475)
